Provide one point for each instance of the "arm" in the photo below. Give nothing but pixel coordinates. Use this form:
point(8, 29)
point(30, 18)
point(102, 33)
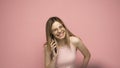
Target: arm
point(49, 63)
point(85, 52)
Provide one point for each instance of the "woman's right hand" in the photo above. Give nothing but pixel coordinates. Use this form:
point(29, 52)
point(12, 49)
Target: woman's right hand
point(54, 49)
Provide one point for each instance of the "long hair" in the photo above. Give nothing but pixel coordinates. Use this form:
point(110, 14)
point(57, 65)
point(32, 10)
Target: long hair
point(49, 35)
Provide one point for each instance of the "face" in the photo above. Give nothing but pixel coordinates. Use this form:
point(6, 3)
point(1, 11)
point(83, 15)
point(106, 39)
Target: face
point(58, 30)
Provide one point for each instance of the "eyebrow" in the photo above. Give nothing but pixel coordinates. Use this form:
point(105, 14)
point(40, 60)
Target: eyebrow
point(58, 27)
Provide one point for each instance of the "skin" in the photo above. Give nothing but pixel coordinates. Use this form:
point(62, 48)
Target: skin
point(59, 33)
point(81, 47)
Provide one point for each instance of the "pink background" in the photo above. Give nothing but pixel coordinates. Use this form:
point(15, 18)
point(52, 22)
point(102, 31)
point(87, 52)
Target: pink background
point(22, 30)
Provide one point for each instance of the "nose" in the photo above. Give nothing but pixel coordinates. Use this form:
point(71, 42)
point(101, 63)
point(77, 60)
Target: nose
point(59, 30)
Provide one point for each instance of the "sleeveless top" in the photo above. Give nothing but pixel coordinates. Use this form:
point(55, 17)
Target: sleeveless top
point(66, 57)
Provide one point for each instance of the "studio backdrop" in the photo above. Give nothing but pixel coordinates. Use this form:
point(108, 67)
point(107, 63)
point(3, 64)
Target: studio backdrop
point(22, 30)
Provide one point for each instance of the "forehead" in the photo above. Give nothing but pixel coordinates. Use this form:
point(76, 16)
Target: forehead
point(56, 25)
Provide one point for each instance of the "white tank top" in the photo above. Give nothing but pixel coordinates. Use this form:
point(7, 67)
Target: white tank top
point(66, 57)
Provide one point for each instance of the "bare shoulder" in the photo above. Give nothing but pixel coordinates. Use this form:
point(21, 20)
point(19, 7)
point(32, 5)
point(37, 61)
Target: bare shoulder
point(75, 40)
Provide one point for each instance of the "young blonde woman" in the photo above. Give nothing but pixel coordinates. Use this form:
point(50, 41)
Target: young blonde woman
point(61, 46)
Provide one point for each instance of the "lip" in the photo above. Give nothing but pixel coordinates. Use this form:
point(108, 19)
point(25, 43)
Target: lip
point(61, 34)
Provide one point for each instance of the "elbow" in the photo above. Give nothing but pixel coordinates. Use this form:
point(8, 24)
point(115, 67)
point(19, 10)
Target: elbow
point(88, 56)
point(47, 67)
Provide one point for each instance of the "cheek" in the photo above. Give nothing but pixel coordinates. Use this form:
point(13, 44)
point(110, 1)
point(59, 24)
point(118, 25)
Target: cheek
point(54, 34)
point(64, 30)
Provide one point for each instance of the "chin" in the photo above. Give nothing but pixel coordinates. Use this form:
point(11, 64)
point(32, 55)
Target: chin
point(60, 38)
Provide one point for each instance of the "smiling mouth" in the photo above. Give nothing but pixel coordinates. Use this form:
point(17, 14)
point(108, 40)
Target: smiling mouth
point(61, 34)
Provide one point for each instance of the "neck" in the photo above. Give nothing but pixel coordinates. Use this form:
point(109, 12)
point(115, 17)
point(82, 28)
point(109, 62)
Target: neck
point(61, 42)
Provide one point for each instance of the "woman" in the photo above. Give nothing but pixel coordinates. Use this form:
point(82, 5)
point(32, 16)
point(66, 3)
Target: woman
point(61, 46)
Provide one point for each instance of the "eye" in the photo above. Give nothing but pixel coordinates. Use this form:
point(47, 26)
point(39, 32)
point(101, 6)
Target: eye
point(54, 30)
point(60, 26)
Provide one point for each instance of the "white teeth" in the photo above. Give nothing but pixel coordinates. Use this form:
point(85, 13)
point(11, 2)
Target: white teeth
point(61, 34)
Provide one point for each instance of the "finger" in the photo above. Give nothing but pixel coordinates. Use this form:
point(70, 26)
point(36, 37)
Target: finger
point(53, 44)
point(53, 48)
point(55, 51)
point(52, 41)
